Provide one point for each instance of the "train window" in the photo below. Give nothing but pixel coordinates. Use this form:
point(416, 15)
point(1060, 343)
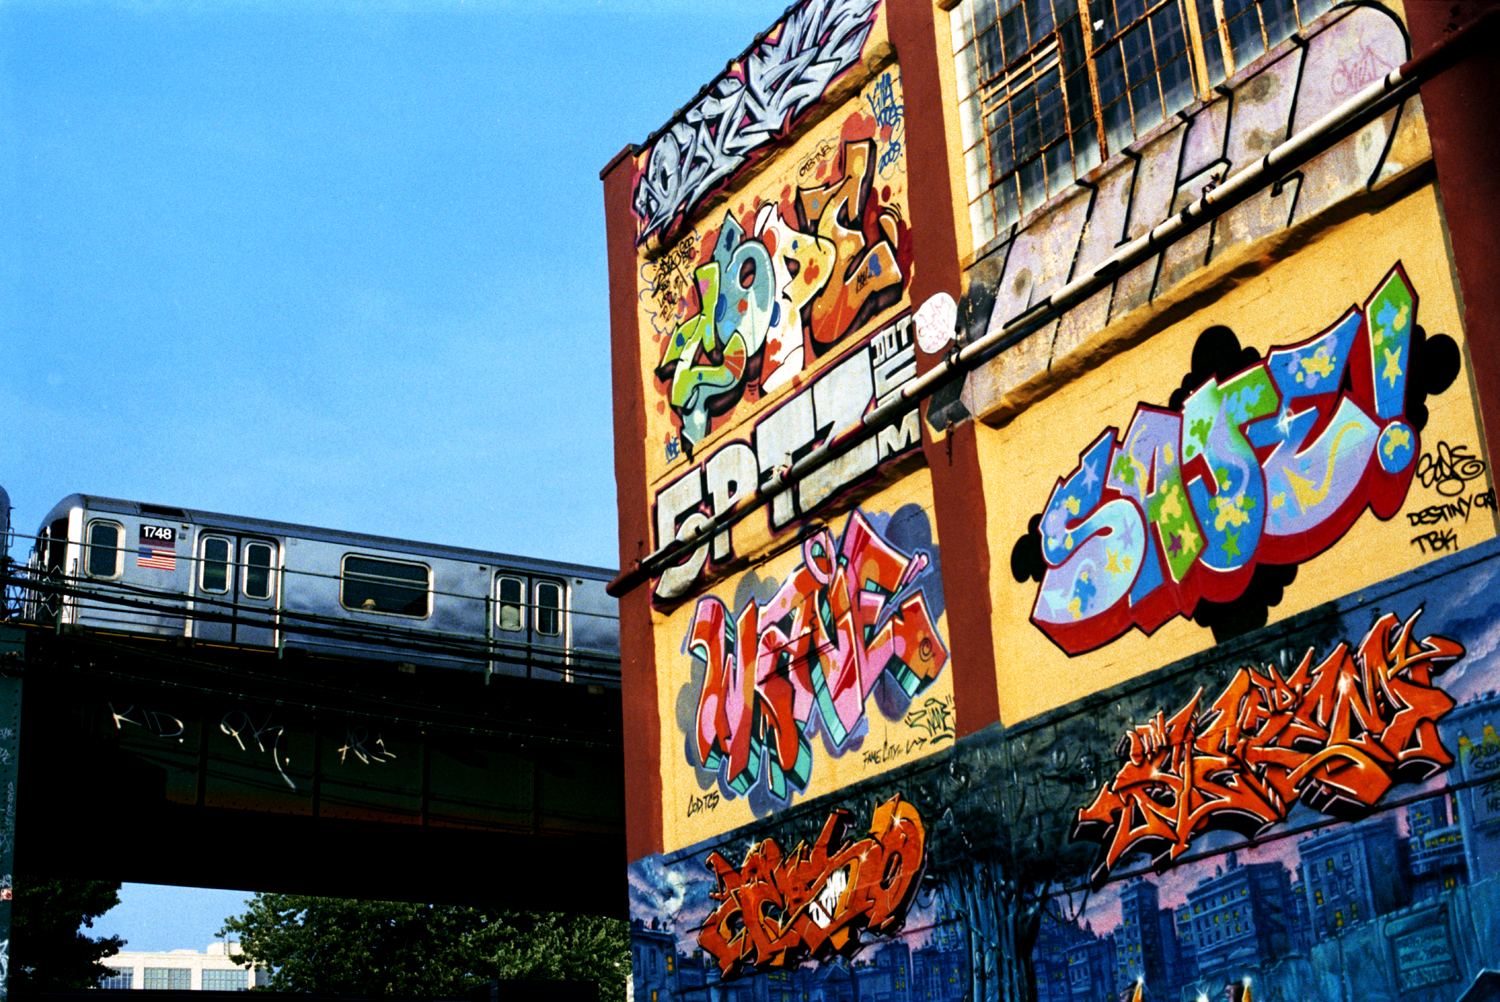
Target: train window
point(105, 557)
point(257, 582)
point(548, 608)
point(213, 567)
point(374, 585)
point(511, 596)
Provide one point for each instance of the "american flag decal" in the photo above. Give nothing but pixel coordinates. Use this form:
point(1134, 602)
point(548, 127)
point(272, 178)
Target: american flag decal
point(158, 548)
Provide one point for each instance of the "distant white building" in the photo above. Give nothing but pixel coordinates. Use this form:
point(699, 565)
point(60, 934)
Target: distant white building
point(215, 969)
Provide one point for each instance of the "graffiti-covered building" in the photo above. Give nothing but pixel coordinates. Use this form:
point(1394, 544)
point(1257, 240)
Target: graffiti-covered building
point(1059, 531)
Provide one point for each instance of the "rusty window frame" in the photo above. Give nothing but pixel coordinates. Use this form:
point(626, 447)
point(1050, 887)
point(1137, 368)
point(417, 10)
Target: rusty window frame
point(1117, 68)
point(1243, 32)
point(1036, 110)
point(1144, 66)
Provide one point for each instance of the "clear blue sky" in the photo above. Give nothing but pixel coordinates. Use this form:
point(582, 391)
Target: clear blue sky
point(338, 263)
point(156, 918)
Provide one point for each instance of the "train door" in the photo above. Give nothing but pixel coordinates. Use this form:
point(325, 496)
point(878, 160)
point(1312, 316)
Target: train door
point(236, 589)
point(259, 593)
point(531, 625)
point(50, 565)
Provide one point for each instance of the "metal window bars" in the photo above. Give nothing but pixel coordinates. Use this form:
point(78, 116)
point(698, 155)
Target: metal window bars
point(1051, 88)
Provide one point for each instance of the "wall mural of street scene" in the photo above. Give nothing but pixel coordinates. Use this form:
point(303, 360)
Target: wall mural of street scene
point(1306, 813)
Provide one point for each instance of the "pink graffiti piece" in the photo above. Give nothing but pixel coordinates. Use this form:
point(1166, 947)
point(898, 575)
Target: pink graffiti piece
point(1336, 736)
point(1269, 466)
point(847, 616)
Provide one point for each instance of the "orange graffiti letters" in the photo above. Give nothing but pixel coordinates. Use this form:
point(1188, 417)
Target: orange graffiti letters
point(814, 903)
point(1337, 736)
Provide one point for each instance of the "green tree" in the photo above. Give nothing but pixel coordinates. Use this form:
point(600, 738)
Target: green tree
point(344, 946)
point(545, 946)
point(48, 949)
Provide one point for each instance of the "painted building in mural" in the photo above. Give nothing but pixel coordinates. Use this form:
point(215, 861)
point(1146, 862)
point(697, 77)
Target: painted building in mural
point(1058, 527)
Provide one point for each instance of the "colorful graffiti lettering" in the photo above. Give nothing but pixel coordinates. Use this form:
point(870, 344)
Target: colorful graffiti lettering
point(1271, 465)
point(815, 903)
point(756, 102)
point(835, 403)
point(1336, 736)
point(850, 616)
point(782, 291)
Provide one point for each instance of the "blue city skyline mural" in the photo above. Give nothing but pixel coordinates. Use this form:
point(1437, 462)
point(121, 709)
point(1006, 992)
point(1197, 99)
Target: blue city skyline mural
point(1307, 812)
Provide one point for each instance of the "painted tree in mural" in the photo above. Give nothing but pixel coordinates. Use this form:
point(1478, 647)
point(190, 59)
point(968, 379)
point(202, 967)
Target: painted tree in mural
point(1003, 851)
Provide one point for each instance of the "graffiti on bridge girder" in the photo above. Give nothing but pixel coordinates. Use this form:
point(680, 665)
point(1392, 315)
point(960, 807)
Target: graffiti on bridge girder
point(361, 744)
point(1336, 736)
point(239, 725)
point(163, 725)
point(775, 910)
point(364, 746)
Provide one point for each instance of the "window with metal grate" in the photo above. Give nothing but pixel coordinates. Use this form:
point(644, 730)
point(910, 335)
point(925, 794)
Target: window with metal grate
point(1049, 89)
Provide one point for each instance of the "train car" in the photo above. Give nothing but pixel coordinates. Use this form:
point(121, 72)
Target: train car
point(124, 567)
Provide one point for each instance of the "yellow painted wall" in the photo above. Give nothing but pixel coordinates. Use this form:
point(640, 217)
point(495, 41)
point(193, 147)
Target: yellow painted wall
point(693, 805)
point(1276, 304)
point(816, 260)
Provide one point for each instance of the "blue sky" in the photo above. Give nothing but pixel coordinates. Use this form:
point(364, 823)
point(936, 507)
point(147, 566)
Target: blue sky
point(337, 263)
point(157, 918)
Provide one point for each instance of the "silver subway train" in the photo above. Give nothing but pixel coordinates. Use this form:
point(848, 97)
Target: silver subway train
point(122, 567)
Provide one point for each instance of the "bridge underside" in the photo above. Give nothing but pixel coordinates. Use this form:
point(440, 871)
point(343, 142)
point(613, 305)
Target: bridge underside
point(163, 763)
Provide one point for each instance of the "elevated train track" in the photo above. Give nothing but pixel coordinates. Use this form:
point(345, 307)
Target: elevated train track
point(443, 757)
